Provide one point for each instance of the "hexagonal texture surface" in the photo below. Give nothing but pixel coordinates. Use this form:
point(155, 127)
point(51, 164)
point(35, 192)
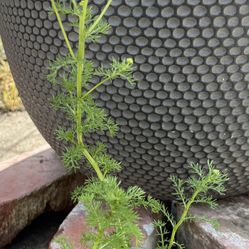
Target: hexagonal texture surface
point(191, 100)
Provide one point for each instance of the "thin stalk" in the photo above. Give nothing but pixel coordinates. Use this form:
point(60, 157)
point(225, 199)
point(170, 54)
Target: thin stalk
point(100, 236)
point(94, 164)
point(100, 16)
point(62, 29)
point(95, 245)
point(182, 219)
point(74, 3)
point(80, 69)
point(95, 87)
point(162, 236)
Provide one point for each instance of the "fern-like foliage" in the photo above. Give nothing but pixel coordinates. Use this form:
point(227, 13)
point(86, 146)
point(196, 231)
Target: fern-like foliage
point(101, 29)
point(64, 72)
point(63, 243)
point(117, 68)
point(108, 207)
point(197, 189)
point(111, 214)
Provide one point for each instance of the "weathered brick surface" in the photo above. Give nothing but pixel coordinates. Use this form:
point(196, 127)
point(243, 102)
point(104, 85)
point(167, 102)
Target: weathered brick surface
point(29, 185)
point(233, 233)
point(75, 225)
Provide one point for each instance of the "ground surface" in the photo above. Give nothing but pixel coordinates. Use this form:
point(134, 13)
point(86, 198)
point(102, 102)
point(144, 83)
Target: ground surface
point(18, 134)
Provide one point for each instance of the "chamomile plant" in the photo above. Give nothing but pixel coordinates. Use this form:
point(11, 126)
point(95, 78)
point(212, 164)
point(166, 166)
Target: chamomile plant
point(111, 214)
point(197, 189)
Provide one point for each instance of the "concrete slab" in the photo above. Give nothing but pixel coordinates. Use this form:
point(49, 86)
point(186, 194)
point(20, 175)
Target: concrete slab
point(18, 134)
point(233, 233)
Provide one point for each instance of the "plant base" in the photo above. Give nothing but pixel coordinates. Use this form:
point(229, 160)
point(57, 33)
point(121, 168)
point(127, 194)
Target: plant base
point(74, 226)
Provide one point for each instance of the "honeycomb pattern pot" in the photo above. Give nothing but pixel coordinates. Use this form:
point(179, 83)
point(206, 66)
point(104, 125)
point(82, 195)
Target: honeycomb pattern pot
point(191, 102)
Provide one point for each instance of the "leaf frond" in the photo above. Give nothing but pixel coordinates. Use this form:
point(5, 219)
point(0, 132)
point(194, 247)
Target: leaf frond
point(178, 185)
point(63, 242)
point(59, 63)
point(72, 156)
point(101, 29)
point(117, 68)
point(66, 134)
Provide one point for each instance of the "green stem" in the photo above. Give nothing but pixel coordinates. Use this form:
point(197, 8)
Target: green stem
point(62, 28)
point(94, 164)
point(99, 238)
point(182, 219)
point(74, 3)
point(95, 245)
point(95, 87)
point(162, 236)
point(80, 70)
point(100, 17)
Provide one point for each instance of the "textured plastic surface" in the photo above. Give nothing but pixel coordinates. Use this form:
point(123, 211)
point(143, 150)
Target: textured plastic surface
point(191, 101)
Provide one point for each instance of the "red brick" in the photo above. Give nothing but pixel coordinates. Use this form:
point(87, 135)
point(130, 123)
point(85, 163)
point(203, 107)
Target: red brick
point(30, 184)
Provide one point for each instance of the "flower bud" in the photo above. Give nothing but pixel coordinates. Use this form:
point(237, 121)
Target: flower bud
point(216, 172)
point(130, 61)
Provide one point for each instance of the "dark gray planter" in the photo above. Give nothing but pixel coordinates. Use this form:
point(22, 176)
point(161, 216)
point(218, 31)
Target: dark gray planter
point(191, 102)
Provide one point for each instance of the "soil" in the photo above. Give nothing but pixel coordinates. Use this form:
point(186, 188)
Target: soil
point(18, 134)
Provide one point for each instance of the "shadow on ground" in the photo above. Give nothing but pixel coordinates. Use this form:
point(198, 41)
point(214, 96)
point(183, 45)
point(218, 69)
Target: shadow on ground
point(39, 233)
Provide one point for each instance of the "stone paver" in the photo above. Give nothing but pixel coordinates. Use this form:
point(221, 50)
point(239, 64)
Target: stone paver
point(233, 233)
point(75, 225)
point(31, 184)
